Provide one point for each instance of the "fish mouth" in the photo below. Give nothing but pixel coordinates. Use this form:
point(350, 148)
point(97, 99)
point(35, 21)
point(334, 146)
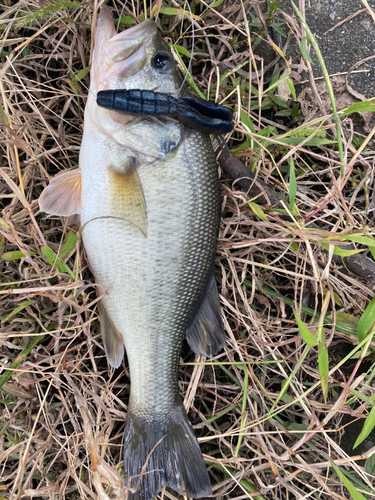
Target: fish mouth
point(127, 50)
point(142, 30)
point(118, 56)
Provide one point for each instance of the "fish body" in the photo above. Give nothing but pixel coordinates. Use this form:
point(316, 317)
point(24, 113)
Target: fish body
point(148, 196)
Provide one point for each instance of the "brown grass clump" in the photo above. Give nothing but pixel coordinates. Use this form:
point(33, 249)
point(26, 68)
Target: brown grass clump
point(270, 409)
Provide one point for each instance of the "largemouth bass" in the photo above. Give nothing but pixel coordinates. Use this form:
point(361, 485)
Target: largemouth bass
point(147, 194)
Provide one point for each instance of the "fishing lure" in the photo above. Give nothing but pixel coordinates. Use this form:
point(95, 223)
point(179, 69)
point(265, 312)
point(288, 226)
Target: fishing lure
point(195, 113)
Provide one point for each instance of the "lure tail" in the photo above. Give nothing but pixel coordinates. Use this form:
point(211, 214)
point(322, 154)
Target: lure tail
point(163, 451)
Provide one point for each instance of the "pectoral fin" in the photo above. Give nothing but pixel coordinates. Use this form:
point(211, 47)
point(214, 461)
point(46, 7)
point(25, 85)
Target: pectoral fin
point(62, 196)
point(206, 334)
point(128, 201)
point(112, 339)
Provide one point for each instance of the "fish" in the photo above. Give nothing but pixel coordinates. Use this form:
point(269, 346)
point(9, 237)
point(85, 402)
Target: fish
point(147, 194)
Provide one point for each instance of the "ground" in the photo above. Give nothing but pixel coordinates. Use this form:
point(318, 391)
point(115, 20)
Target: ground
point(294, 265)
point(345, 32)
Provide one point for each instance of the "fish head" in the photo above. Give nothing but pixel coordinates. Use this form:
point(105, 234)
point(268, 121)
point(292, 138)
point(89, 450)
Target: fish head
point(136, 58)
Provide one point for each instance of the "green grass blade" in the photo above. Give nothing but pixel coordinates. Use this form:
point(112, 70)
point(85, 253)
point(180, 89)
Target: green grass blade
point(358, 238)
point(323, 364)
point(292, 185)
point(291, 88)
point(304, 50)
point(359, 107)
point(15, 255)
point(81, 74)
point(323, 361)
point(356, 495)
point(307, 336)
point(340, 251)
point(368, 427)
point(347, 325)
point(125, 21)
point(243, 410)
point(19, 309)
point(258, 211)
point(53, 260)
point(19, 359)
point(68, 245)
point(366, 321)
point(189, 78)
point(245, 483)
point(287, 382)
point(217, 416)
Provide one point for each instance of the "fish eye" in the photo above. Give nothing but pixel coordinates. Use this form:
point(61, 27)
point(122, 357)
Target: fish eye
point(161, 62)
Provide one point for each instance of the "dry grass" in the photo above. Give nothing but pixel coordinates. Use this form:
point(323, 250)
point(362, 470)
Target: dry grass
point(258, 408)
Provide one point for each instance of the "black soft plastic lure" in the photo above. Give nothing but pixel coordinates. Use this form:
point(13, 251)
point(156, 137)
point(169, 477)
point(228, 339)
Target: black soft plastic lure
point(191, 111)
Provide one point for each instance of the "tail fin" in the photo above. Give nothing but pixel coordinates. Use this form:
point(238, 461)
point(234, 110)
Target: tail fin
point(163, 451)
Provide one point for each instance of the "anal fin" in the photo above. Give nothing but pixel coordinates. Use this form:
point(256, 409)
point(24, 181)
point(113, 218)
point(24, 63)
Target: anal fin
point(112, 339)
point(206, 334)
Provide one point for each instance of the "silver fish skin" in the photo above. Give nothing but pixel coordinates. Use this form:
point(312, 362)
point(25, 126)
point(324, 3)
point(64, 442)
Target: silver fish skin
point(147, 193)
